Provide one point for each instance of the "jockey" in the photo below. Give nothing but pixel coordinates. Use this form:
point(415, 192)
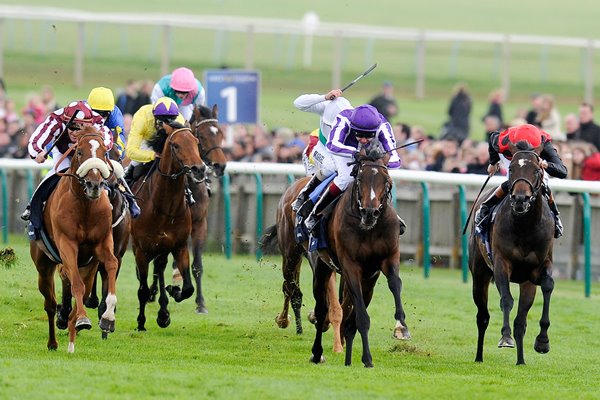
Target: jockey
point(102, 101)
point(354, 129)
point(499, 151)
point(51, 133)
point(144, 125)
point(182, 87)
point(318, 161)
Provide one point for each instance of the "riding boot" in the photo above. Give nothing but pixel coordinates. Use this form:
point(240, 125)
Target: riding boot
point(27, 213)
point(134, 209)
point(402, 225)
point(189, 197)
point(303, 197)
point(558, 227)
point(486, 206)
point(207, 183)
point(326, 198)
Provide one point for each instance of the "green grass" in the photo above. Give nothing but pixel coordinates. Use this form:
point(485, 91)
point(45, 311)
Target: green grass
point(238, 352)
point(39, 53)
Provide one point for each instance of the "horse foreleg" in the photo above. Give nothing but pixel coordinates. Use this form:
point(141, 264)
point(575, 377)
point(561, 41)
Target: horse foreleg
point(163, 319)
point(506, 301)
point(182, 257)
point(111, 266)
point(93, 301)
point(481, 283)
point(197, 272)
point(526, 297)
point(320, 281)
point(335, 313)
point(542, 342)
point(69, 253)
point(143, 292)
point(363, 322)
point(391, 270)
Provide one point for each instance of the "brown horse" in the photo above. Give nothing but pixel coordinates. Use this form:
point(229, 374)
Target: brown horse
point(77, 217)
point(205, 126)
point(364, 240)
point(521, 244)
point(165, 222)
point(121, 224)
point(292, 253)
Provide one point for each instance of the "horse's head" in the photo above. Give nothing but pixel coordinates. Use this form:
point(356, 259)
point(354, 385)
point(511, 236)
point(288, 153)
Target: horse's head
point(526, 176)
point(205, 126)
point(178, 148)
point(89, 163)
point(373, 187)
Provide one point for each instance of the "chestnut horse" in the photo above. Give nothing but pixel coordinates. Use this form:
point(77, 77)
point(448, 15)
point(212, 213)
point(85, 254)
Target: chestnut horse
point(121, 224)
point(292, 253)
point(165, 222)
point(205, 126)
point(521, 239)
point(77, 218)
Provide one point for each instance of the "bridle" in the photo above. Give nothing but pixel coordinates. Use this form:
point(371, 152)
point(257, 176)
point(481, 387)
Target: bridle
point(535, 188)
point(184, 169)
point(205, 152)
point(388, 186)
point(80, 179)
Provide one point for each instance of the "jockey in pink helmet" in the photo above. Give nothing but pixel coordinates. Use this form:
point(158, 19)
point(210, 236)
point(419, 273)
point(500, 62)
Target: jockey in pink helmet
point(182, 87)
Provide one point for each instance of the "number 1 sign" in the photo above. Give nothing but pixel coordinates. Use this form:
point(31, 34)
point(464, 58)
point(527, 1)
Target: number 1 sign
point(235, 92)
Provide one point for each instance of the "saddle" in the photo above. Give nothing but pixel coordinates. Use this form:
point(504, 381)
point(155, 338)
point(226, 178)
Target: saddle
point(484, 229)
point(300, 232)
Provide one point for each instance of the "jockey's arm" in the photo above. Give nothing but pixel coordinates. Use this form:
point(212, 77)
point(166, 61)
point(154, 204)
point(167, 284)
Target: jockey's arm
point(139, 129)
point(555, 167)
point(387, 140)
point(314, 103)
point(493, 148)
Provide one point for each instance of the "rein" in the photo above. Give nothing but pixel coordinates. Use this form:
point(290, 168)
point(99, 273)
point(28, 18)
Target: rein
point(534, 188)
point(388, 190)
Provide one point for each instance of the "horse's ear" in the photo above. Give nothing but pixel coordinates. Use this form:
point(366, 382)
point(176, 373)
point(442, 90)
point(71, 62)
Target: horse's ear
point(197, 114)
point(538, 150)
point(215, 112)
point(386, 158)
point(512, 148)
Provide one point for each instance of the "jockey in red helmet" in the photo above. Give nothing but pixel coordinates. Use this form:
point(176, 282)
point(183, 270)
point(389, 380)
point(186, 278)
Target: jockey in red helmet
point(499, 151)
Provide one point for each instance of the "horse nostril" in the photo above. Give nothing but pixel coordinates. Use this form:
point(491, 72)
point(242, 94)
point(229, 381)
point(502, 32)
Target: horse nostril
point(376, 213)
point(219, 169)
point(363, 212)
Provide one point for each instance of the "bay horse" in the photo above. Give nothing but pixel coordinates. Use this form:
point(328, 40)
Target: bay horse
point(165, 222)
point(521, 239)
point(282, 233)
point(121, 227)
point(77, 218)
point(205, 126)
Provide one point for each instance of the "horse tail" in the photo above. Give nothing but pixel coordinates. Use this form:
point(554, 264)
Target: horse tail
point(268, 242)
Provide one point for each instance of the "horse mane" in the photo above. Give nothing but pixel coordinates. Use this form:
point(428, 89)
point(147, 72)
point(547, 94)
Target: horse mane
point(523, 145)
point(157, 142)
point(372, 155)
point(85, 130)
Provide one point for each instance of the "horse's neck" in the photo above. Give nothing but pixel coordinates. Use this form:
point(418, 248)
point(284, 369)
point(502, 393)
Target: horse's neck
point(171, 191)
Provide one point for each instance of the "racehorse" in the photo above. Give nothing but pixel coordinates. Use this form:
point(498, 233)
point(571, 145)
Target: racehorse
point(164, 224)
point(121, 225)
point(521, 239)
point(292, 253)
point(205, 126)
point(77, 218)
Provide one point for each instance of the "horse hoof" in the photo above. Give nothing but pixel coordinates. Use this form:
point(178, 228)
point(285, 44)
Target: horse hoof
point(106, 325)
point(506, 342)
point(104, 335)
point(542, 347)
point(83, 323)
point(52, 346)
point(61, 323)
point(201, 310)
point(321, 360)
point(312, 317)
point(401, 333)
point(92, 302)
point(369, 365)
point(283, 322)
point(163, 320)
point(141, 328)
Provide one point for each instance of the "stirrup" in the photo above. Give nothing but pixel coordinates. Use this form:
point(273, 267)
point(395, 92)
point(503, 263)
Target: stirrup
point(311, 222)
point(26, 214)
point(297, 204)
point(558, 227)
point(189, 197)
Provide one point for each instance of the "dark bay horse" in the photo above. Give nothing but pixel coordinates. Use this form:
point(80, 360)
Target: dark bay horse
point(292, 254)
point(165, 222)
point(364, 238)
point(205, 126)
point(521, 238)
point(77, 217)
point(121, 225)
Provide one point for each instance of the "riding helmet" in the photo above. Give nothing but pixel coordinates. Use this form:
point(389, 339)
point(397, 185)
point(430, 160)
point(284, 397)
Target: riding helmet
point(183, 80)
point(101, 99)
point(364, 121)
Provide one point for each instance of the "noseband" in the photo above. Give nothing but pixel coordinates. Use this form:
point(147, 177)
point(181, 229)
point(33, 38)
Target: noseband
point(204, 153)
point(388, 188)
point(184, 169)
point(535, 188)
point(81, 179)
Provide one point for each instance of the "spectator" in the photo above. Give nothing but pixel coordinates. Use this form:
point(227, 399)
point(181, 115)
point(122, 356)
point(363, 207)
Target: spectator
point(127, 101)
point(571, 126)
point(586, 162)
point(458, 126)
point(35, 105)
point(536, 105)
point(48, 99)
point(480, 163)
point(496, 100)
point(385, 102)
point(588, 130)
point(182, 87)
point(492, 124)
point(548, 118)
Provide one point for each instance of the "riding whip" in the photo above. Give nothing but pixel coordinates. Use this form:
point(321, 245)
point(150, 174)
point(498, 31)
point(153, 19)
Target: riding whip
point(406, 145)
point(475, 202)
point(371, 68)
point(61, 134)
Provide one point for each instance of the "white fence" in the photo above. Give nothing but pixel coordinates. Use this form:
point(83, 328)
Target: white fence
point(308, 28)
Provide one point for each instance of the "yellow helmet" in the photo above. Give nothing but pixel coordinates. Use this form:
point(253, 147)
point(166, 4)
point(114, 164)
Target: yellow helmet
point(101, 99)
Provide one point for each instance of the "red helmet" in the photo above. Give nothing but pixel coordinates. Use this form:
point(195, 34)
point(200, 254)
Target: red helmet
point(79, 111)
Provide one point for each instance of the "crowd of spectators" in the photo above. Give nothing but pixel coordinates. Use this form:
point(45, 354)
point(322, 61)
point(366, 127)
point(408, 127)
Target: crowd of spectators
point(576, 137)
